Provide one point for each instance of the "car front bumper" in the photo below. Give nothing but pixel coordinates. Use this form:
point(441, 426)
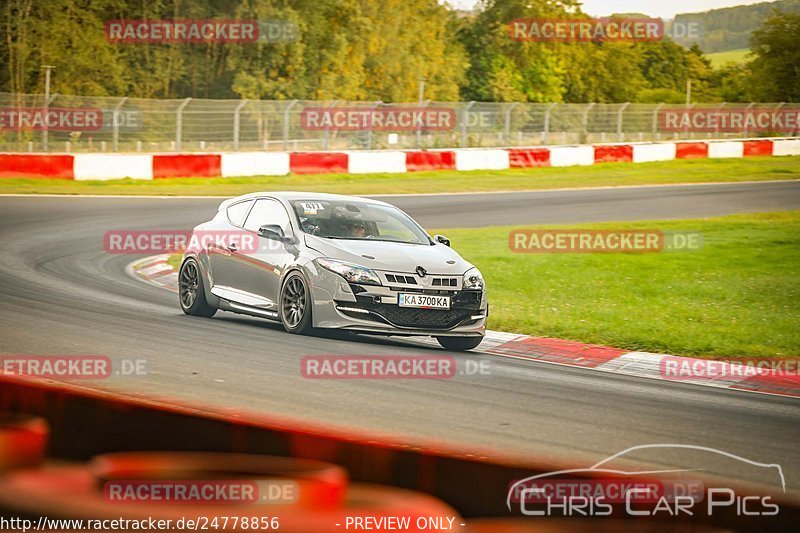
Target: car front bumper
point(374, 309)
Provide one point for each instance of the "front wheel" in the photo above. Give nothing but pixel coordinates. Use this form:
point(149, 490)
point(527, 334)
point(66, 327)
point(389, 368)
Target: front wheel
point(191, 291)
point(459, 344)
point(295, 304)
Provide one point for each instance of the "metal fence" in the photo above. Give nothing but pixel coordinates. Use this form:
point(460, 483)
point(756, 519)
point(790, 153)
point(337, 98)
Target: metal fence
point(191, 124)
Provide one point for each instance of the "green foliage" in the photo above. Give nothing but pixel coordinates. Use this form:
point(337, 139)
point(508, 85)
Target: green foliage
point(776, 68)
point(370, 51)
point(730, 28)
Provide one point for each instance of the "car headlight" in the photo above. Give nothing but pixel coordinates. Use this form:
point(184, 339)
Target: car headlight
point(352, 273)
point(473, 280)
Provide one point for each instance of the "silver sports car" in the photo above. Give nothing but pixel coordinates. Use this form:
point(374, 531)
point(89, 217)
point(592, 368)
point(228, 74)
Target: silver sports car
point(329, 261)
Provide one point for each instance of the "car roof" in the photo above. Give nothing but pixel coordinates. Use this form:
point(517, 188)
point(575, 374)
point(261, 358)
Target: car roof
point(289, 196)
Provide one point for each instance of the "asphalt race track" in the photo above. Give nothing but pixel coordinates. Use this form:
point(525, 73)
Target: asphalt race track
point(63, 295)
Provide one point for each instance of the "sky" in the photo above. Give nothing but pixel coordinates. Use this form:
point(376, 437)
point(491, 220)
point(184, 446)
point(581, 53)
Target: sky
point(653, 8)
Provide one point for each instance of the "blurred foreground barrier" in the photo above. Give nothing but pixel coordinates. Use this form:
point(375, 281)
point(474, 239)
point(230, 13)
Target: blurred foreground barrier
point(326, 500)
point(86, 423)
point(23, 440)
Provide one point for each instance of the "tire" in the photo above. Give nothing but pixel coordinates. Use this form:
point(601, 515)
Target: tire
point(191, 291)
point(295, 304)
point(459, 344)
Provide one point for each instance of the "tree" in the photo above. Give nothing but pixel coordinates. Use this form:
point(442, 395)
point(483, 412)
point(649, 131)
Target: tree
point(776, 67)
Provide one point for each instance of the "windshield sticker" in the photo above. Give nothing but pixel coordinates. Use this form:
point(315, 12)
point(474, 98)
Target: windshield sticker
point(311, 208)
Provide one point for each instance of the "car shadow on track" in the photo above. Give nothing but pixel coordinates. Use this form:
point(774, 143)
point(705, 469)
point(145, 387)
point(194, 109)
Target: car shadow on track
point(331, 334)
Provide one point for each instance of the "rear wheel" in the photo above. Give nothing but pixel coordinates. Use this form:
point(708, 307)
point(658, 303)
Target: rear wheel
point(459, 344)
point(295, 304)
point(191, 291)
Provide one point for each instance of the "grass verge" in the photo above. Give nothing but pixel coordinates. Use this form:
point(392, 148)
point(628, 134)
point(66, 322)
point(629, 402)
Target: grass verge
point(606, 175)
point(736, 297)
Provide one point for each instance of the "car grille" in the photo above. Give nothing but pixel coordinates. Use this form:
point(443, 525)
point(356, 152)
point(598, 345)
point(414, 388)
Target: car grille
point(400, 278)
point(413, 318)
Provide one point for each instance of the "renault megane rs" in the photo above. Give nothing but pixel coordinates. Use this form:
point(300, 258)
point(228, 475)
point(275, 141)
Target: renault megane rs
point(328, 261)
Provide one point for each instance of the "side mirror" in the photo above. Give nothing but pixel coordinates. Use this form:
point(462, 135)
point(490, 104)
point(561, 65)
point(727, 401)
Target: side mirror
point(442, 239)
point(273, 232)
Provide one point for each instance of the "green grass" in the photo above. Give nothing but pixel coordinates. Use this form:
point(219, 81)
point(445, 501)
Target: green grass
point(174, 260)
point(719, 59)
point(612, 174)
point(737, 297)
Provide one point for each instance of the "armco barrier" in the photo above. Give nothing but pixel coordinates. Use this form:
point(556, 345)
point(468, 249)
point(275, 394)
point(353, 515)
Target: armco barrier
point(613, 153)
point(757, 148)
point(786, 147)
point(318, 162)
point(648, 153)
point(726, 149)
point(86, 422)
point(254, 164)
point(482, 159)
point(91, 166)
point(691, 150)
point(568, 156)
point(416, 161)
point(36, 166)
point(381, 161)
point(200, 165)
point(528, 157)
point(113, 166)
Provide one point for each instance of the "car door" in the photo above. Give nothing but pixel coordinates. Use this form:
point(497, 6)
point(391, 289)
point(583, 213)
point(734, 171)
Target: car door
point(260, 271)
point(222, 258)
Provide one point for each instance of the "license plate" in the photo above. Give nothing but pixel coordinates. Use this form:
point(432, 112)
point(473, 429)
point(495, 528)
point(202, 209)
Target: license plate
point(423, 301)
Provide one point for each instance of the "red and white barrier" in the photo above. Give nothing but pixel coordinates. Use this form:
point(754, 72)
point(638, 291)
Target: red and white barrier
point(480, 159)
point(786, 147)
point(377, 161)
point(254, 164)
point(150, 166)
point(113, 166)
point(568, 156)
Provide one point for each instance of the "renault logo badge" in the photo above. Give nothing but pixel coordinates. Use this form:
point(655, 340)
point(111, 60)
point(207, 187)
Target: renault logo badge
point(421, 272)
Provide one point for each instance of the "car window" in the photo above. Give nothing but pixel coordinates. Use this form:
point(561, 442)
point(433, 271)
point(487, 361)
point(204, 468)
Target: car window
point(348, 219)
point(238, 211)
point(268, 212)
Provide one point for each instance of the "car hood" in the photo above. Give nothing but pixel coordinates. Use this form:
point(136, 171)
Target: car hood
point(391, 256)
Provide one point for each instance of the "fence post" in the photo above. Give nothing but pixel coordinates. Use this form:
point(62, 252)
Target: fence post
point(464, 124)
point(507, 131)
point(620, 135)
point(179, 123)
point(115, 125)
point(655, 119)
point(547, 114)
point(236, 122)
point(286, 124)
point(369, 132)
point(419, 127)
point(47, 100)
point(586, 120)
point(325, 138)
point(716, 128)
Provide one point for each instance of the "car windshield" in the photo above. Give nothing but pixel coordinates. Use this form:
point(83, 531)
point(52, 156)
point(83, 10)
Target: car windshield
point(357, 221)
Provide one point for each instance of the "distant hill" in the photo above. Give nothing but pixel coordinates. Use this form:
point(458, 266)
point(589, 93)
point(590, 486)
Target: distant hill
point(729, 28)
